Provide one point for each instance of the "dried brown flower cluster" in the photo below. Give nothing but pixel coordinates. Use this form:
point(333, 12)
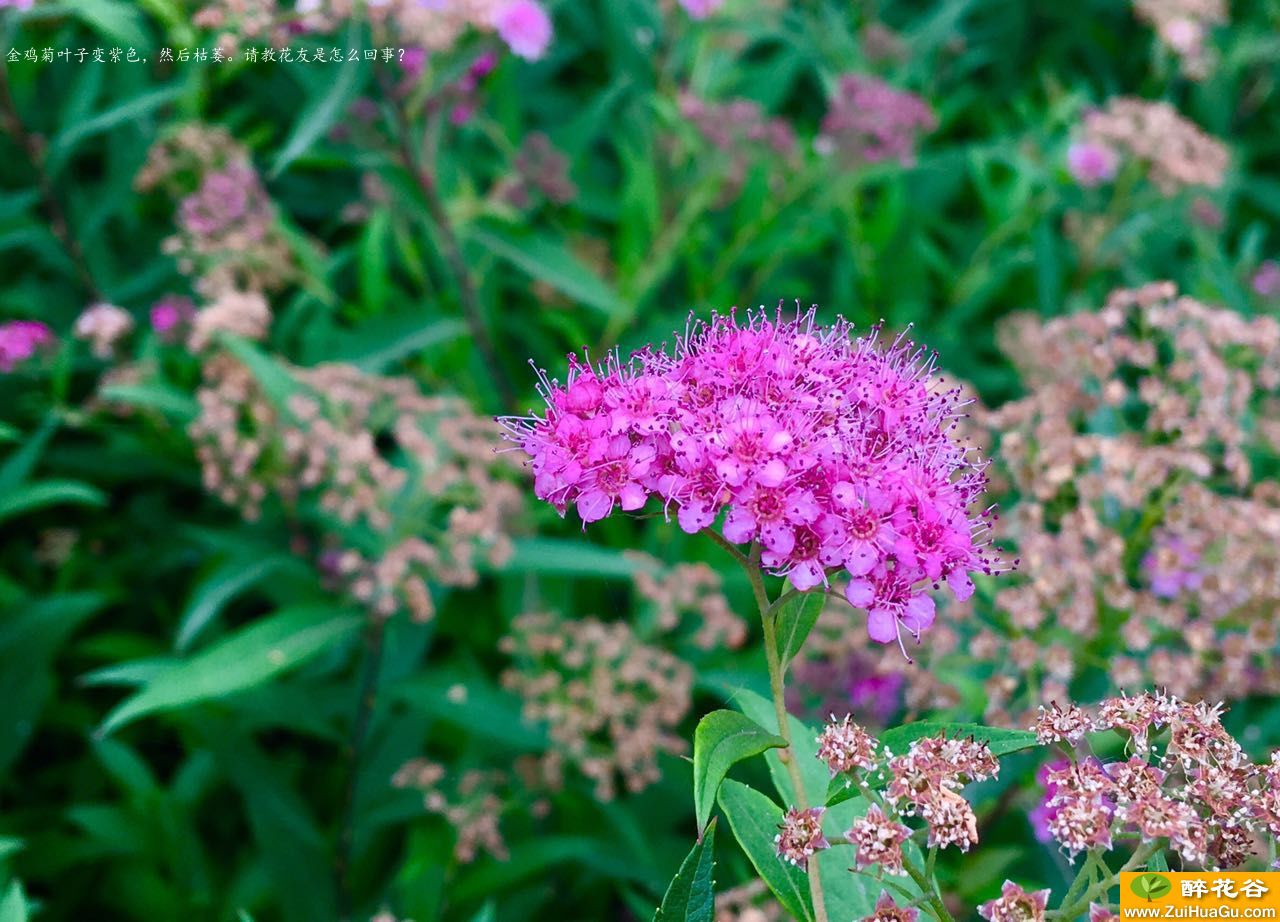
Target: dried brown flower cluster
point(749, 902)
point(924, 782)
point(1183, 26)
point(472, 806)
point(1136, 505)
point(406, 487)
point(1178, 154)
point(1139, 516)
point(612, 702)
point(686, 591)
point(1187, 783)
point(228, 237)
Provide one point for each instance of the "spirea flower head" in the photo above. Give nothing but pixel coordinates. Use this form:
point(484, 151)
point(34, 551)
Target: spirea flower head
point(878, 840)
point(801, 836)
point(844, 746)
point(886, 910)
point(826, 451)
point(1015, 905)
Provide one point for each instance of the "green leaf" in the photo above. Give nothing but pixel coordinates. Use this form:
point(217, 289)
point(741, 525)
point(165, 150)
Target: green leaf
point(379, 343)
point(14, 906)
point(275, 380)
point(723, 739)
point(804, 740)
point(250, 657)
point(549, 261)
point(320, 115)
point(794, 619)
point(219, 588)
point(755, 819)
point(563, 557)
point(23, 462)
point(691, 896)
point(49, 493)
point(1002, 742)
point(160, 397)
point(1159, 862)
point(129, 111)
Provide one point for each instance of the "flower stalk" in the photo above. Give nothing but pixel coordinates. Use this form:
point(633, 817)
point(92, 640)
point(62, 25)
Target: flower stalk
point(751, 564)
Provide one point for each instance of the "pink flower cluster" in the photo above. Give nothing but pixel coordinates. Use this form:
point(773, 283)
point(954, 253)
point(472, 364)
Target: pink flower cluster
point(828, 451)
point(20, 340)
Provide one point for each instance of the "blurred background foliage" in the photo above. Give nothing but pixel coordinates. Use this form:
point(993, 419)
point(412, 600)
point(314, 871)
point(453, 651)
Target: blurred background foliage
point(443, 223)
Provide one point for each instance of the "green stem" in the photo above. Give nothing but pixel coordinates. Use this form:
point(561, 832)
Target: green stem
point(1074, 909)
point(788, 756)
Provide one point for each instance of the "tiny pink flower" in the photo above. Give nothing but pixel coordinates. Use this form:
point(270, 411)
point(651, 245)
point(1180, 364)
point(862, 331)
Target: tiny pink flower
point(1266, 281)
point(701, 9)
point(170, 316)
point(886, 910)
point(1015, 905)
point(801, 836)
point(526, 28)
point(1091, 164)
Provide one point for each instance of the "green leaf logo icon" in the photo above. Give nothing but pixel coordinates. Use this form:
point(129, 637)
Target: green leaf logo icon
point(1151, 886)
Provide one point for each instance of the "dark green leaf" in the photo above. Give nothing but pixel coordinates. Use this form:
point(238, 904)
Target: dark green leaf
point(691, 895)
point(247, 658)
point(792, 621)
point(722, 739)
point(755, 820)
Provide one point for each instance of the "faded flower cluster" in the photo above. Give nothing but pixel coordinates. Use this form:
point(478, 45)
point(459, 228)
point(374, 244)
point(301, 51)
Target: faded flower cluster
point(406, 487)
point(869, 121)
point(1183, 27)
point(825, 452)
point(1176, 152)
point(228, 237)
point(1187, 783)
point(612, 702)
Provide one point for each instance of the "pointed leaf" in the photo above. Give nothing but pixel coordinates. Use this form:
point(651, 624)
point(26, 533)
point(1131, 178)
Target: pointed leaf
point(755, 819)
point(794, 619)
point(804, 741)
point(691, 896)
point(1002, 742)
point(723, 739)
point(247, 658)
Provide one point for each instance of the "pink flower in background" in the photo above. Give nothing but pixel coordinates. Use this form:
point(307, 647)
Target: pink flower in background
point(20, 340)
point(870, 121)
point(170, 316)
point(831, 453)
point(1172, 565)
point(526, 28)
point(414, 62)
point(1266, 281)
point(103, 325)
point(701, 9)
point(1091, 164)
point(17, 4)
